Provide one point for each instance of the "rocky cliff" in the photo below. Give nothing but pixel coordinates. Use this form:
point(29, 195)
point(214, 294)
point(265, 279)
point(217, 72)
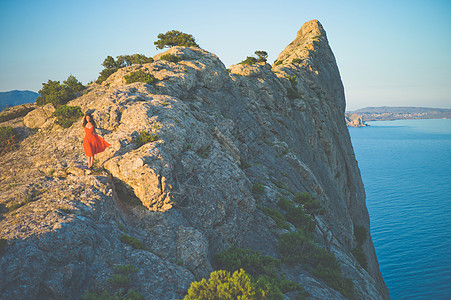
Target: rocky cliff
point(228, 142)
point(354, 120)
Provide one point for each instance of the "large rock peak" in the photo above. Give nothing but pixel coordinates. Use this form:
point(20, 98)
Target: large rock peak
point(311, 28)
point(226, 146)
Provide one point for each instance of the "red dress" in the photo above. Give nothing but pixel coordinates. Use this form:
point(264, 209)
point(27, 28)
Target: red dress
point(93, 143)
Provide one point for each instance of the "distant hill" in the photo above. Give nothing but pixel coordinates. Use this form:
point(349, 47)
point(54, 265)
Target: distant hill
point(13, 98)
point(398, 113)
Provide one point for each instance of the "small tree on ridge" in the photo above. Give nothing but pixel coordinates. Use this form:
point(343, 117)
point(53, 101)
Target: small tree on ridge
point(175, 38)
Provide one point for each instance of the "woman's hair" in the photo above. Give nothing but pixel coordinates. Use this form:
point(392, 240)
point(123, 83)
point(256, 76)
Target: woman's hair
point(92, 120)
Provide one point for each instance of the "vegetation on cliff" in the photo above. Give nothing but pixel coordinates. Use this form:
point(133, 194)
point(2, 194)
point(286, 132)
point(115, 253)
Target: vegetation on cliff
point(175, 38)
point(8, 139)
point(262, 56)
point(59, 94)
point(111, 65)
point(67, 115)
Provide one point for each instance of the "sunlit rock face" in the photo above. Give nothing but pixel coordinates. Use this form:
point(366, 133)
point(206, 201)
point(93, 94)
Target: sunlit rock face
point(190, 192)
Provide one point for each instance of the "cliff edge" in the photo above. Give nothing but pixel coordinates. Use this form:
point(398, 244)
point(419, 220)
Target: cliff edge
point(228, 145)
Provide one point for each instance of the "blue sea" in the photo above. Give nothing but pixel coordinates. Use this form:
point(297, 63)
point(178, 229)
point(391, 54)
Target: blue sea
point(406, 170)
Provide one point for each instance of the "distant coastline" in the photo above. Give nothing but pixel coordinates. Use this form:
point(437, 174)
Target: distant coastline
point(387, 113)
point(14, 98)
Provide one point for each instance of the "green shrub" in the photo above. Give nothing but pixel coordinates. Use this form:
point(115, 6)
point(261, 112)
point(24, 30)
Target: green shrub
point(204, 152)
point(334, 279)
point(126, 269)
point(104, 74)
point(128, 60)
point(296, 215)
point(244, 164)
point(130, 295)
point(67, 115)
point(74, 86)
point(111, 65)
point(249, 61)
point(55, 93)
point(263, 267)
point(360, 256)
point(252, 261)
point(296, 247)
point(95, 296)
point(140, 76)
point(144, 137)
point(132, 241)
point(119, 280)
point(310, 203)
point(276, 215)
point(292, 92)
point(262, 56)
point(59, 94)
point(171, 58)
point(257, 189)
point(278, 62)
point(274, 288)
point(223, 285)
point(296, 61)
point(3, 244)
point(15, 206)
point(175, 38)
point(8, 139)
point(361, 234)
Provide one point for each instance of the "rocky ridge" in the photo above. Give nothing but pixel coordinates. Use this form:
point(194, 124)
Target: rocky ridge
point(187, 195)
point(354, 120)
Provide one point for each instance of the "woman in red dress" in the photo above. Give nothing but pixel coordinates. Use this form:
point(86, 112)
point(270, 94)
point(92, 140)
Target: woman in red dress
point(92, 143)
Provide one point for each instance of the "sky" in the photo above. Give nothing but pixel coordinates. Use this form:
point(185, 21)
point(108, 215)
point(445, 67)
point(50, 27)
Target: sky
point(390, 53)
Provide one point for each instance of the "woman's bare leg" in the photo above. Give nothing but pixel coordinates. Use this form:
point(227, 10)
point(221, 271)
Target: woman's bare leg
point(90, 161)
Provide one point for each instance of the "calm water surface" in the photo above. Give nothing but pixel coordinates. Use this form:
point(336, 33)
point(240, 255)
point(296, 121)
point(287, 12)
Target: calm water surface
point(406, 170)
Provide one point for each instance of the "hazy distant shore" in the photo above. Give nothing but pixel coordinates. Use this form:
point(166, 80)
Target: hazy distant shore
point(386, 113)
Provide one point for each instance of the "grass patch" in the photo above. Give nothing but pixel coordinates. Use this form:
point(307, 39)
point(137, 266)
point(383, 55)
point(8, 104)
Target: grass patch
point(66, 115)
point(132, 241)
point(204, 152)
point(67, 210)
point(292, 91)
point(297, 247)
point(144, 137)
point(360, 256)
point(262, 269)
point(276, 215)
point(8, 139)
point(257, 189)
point(120, 282)
point(244, 164)
point(171, 58)
point(310, 203)
point(361, 235)
point(249, 61)
point(28, 198)
point(296, 215)
point(140, 76)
